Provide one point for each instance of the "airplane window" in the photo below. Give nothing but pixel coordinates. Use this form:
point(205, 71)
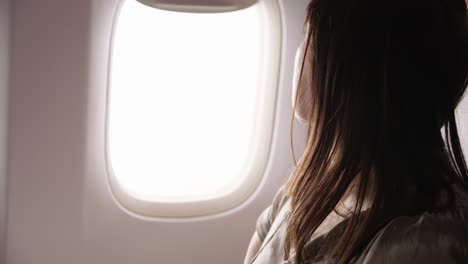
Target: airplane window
point(189, 108)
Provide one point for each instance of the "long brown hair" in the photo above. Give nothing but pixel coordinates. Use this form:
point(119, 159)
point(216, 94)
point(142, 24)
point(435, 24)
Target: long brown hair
point(384, 77)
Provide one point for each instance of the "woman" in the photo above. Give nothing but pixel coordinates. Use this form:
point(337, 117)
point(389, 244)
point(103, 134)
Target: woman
point(378, 182)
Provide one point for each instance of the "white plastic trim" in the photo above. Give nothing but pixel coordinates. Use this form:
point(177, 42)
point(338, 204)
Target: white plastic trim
point(255, 168)
point(199, 6)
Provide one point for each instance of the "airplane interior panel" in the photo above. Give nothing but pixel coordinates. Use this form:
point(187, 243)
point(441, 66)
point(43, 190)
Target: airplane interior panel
point(4, 71)
point(62, 208)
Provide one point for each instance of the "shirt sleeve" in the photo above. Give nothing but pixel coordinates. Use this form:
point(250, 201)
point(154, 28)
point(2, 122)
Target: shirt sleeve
point(268, 215)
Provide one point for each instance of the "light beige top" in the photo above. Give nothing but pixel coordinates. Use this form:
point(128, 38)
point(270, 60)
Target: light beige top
point(427, 238)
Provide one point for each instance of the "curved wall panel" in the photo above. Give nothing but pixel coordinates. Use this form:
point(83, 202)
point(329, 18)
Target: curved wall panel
point(4, 72)
point(61, 209)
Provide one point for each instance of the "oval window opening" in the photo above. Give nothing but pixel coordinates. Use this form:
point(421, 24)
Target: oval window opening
point(187, 102)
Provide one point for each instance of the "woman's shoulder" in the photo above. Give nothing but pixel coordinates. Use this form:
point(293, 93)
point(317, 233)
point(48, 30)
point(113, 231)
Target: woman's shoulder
point(440, 237)
point(270, 214)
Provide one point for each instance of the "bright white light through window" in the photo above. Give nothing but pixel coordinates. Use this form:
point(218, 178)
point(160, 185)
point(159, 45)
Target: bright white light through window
point(183, 104)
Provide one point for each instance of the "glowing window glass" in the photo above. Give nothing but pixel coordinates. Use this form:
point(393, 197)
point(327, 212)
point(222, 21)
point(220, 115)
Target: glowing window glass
point(188, 106)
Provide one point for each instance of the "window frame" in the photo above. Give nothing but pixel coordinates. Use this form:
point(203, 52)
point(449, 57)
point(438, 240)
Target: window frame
point(255, 168)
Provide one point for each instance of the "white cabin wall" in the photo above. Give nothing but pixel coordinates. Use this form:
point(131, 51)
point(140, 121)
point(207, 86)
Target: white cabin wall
point(61, 210)
point(49, 81)
point(221, 238)
point(4, 76)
